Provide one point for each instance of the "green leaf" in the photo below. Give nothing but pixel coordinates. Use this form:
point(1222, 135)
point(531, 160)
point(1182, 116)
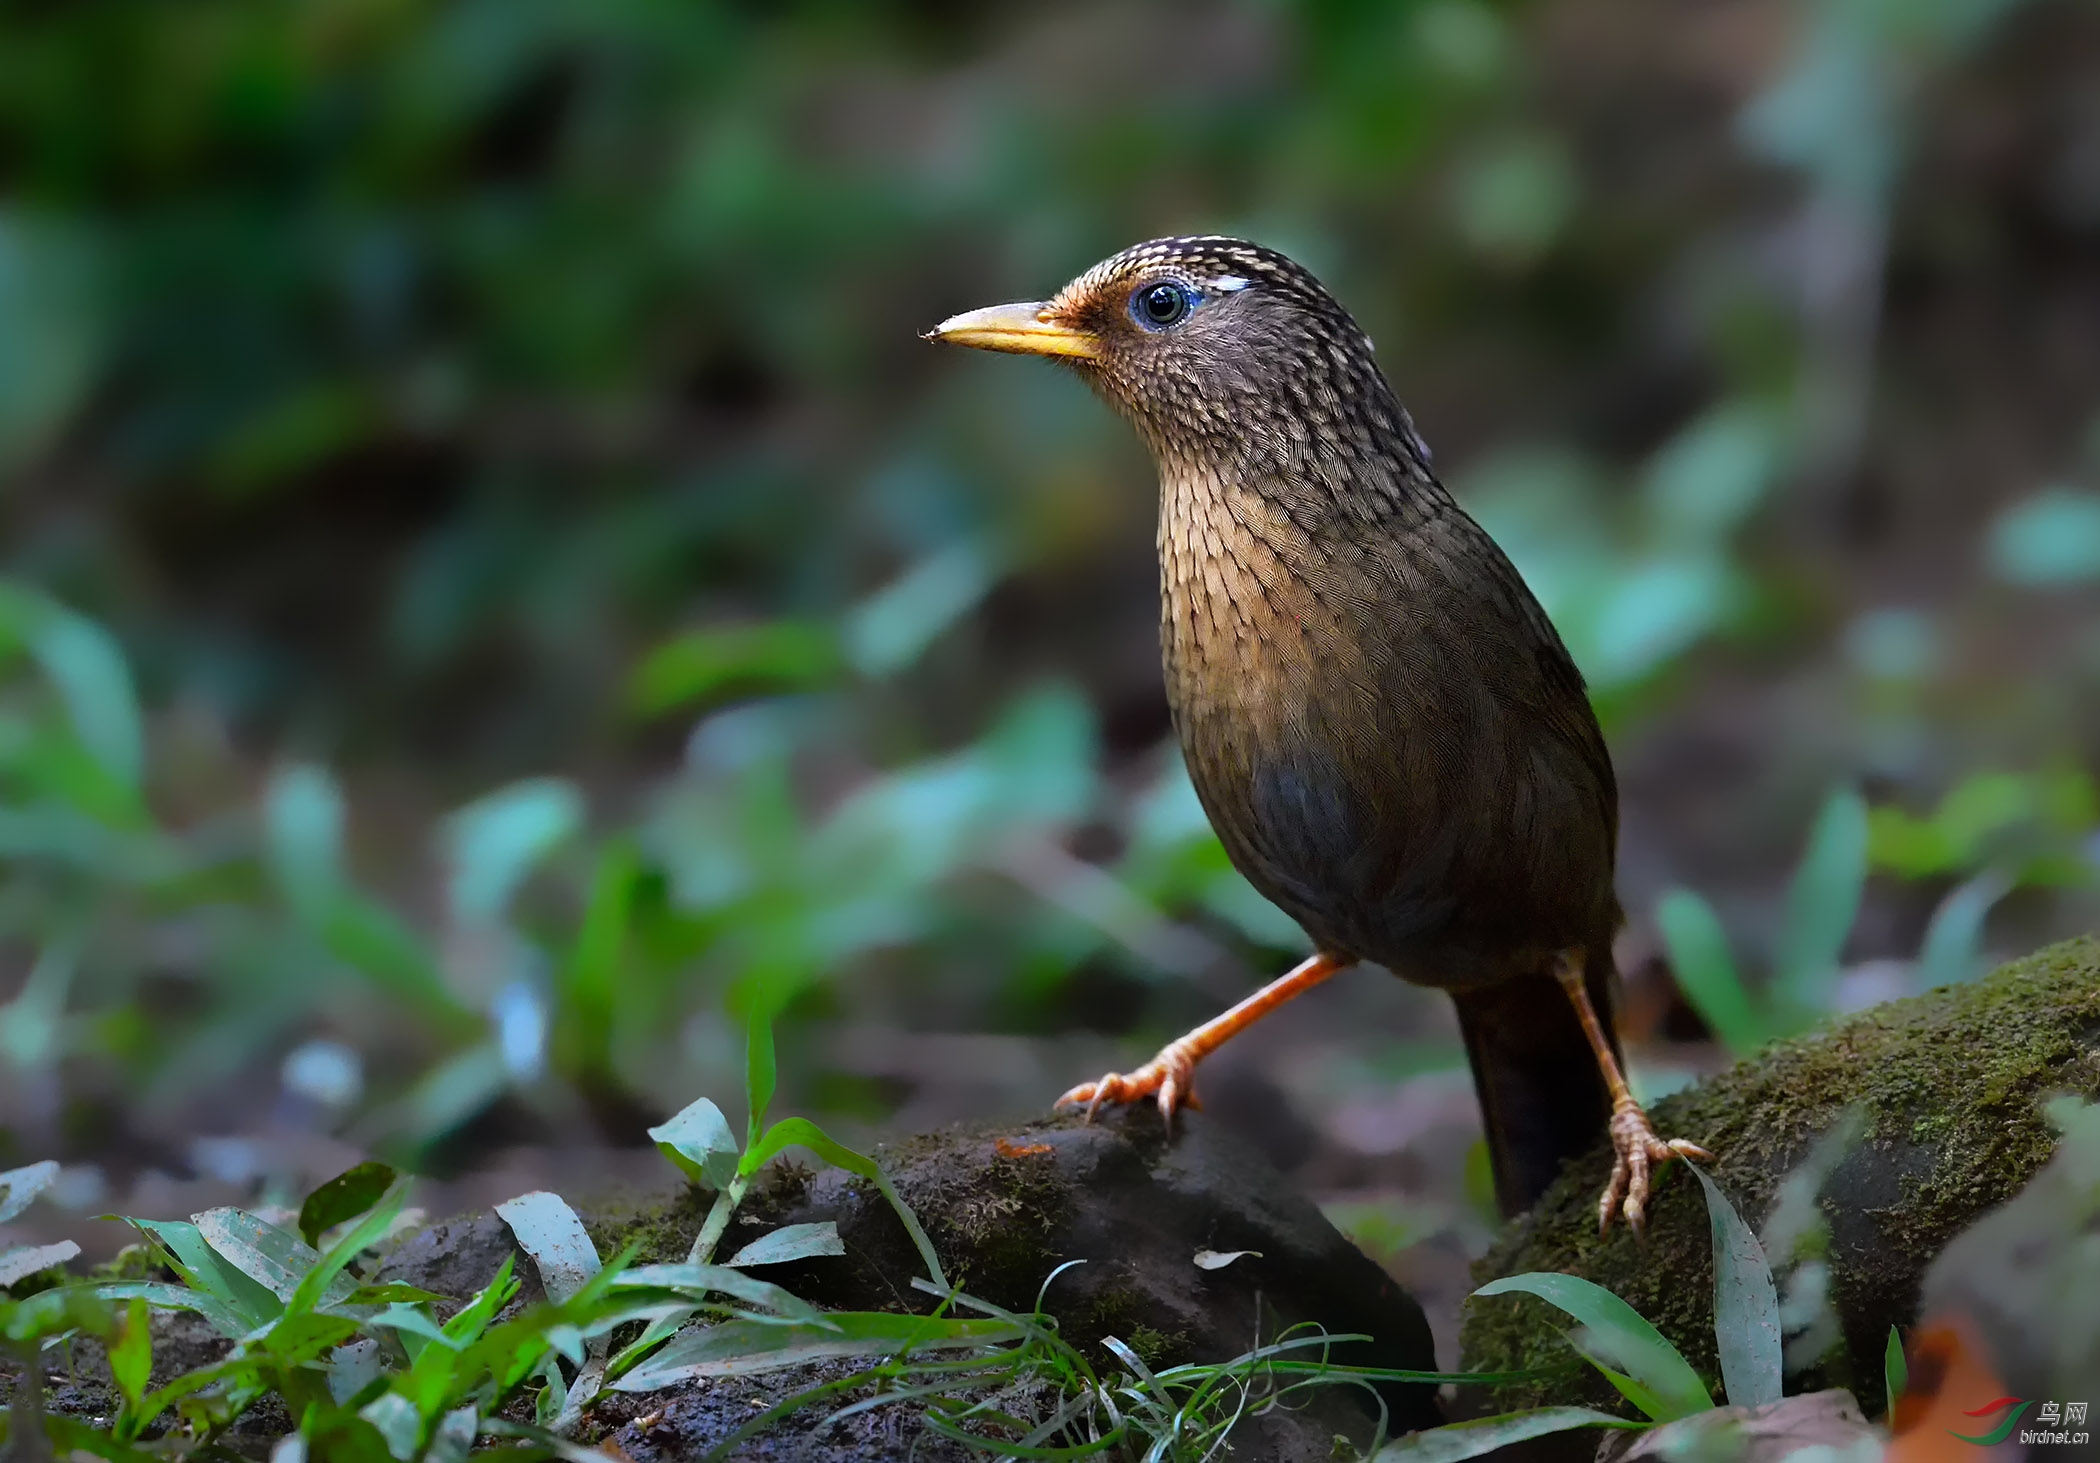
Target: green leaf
point(273, 1258)
point(391, 1291)
point(470, 1320)
point(589, 988)
point(1795, 1214)
point(2049, 540)
point(347, 1195)
point(274, 442)
point(246, 1302)
point(1707, 479)
point(87, 669)
point(701, 1280)
point(326, 1280)
point(1895, 1369)
point(1641, 1397)
point(802, 1133)
point(1618, 1336)
point(698, 1140)
point(451, 1093)
point(412, 1321)
point(548, 1230)
point(57, 307)
point(791, 1242)
point(1746, 1304)
point(759, 1072)
point(302, 1336)
point(353, 1369)
point(741, 1348)
point(303, 820)
point(397, 1422)
point(76, 1440)
point(238, 1371)
point(131, 1353)
point(554, 1392)
point(1459, 1440)
point(222, 1317)
point(1822, 904)
point(1706, 972)
point(786, 655)
point(889, 630)
point(493, 843)
point(373, 940)
point(23, 1185)
point(1952, 951)
point(553, 1445)
point(454, 1436)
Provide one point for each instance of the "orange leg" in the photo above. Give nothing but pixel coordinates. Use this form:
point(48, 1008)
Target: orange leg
point(1635, 1148)
point(1171, 1074)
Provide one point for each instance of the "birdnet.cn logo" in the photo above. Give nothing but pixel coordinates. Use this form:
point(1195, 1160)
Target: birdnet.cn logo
point(2057, 1422)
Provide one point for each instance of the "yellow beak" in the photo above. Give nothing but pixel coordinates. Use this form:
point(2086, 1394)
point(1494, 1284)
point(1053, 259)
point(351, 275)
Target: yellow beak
point(1029, 329)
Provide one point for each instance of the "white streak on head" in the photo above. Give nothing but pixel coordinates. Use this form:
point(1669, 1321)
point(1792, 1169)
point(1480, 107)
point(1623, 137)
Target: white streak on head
point(1230, 284)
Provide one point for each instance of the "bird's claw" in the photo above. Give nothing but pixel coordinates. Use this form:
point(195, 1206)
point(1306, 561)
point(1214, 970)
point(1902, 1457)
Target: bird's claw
point(1636, 1151)
point(1169, 1078)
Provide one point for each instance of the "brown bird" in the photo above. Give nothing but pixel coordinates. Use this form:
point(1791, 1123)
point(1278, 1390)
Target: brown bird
point(1381, 722)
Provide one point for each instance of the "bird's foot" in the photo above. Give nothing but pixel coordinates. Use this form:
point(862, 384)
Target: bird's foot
point(1168, 1077)
point(1636, 1151)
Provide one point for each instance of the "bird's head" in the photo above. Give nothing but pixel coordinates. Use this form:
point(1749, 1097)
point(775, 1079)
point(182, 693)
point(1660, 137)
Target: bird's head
point(1210, 345)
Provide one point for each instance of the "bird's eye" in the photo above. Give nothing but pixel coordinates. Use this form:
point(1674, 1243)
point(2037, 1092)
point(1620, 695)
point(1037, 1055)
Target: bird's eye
point(1158, 306)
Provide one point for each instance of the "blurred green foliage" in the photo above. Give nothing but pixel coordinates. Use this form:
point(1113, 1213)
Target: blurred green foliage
point(436, 396)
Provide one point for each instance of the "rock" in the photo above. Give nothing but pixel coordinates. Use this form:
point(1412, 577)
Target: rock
point(2024, 1280)
point(1005, 1206)
point(1764, 1434)
point(1952, 1084)
point(457, 1257)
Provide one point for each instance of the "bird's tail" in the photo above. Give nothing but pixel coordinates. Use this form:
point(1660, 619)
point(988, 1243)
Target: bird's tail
point(1542, 1097)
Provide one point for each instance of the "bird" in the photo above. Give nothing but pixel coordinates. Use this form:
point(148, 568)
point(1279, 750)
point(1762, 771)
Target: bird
point(1381, 723)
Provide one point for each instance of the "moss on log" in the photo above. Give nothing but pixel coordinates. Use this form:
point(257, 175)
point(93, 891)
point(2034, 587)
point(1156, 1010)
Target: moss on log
point(1951, 1083)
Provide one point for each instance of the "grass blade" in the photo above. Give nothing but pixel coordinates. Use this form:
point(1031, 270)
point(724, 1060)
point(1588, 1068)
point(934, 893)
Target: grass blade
point(242, 1299)
point(1746, 1304)
point(701, 1280)
point(1458, 1440)
point(741, 1348)
point(322, 1279)
point(274, 1258)
point(802, 1133)
point(1821, 905)
point(1618, 1336)
point(1706, 972)
point(759, 1072)
point(223, 1318)
point(1895, 1369)
point(1952, 951)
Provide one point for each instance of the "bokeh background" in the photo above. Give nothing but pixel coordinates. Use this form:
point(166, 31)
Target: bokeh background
point(496, 591)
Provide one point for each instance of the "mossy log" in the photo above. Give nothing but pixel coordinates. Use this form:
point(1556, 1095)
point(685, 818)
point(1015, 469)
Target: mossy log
point(1951, 1084)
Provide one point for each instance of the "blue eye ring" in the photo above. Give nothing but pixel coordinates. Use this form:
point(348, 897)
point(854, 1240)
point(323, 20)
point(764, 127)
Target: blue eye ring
point(1162, 304)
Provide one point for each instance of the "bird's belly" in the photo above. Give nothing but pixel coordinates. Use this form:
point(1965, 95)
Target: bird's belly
point(1378, 823)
